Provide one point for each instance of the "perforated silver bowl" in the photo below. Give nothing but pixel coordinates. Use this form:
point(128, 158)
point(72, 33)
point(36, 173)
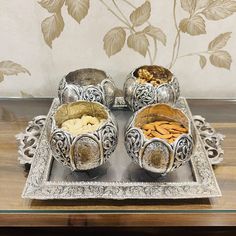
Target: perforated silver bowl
point(157, 155)
point(87, 84)
point(139, 95)
point(84, 151)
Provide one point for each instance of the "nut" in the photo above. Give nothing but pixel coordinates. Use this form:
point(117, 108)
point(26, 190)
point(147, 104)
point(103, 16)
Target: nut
point(82, 125)
point(154, 77)
point(168, 130)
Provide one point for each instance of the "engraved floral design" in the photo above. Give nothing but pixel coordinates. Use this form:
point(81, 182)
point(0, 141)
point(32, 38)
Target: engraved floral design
point(184, 149)
point(60, 144)
point(133, 143)
point(109, 139)
point(143, 95)
point(92, 93)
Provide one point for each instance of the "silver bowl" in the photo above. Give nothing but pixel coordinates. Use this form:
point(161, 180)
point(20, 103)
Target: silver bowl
point(139, 95)
point(84, 151)
point(157, 155)
point(87, 84)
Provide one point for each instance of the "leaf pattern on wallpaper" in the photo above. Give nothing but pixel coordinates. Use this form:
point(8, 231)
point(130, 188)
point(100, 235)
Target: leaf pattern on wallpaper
point(199, 12)
point(201, 4)
point(193, 5)
point(53, 25)
point(188, 5)
point(219, 42)
point(220, 9)
point(11, 68)
point(139, 43)
point(211, 9)
point(156, 33)
point(114, 40)
point(221, 59)
point(77, 9)
point(193, 26)
point(138, 40)
point(202, 61)
point(218, 57)
point(52, 5)
point(140, 15)
point(144, 40)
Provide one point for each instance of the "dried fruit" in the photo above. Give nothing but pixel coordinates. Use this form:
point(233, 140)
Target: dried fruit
point(167, 130)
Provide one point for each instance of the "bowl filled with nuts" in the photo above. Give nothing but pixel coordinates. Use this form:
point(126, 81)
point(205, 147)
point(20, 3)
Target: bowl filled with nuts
point(82, 135)
point(150, 85)
point(160, 138)
point(87, 84)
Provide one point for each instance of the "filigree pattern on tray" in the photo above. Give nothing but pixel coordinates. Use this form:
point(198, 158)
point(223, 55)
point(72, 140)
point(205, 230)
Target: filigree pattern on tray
point(38, 186)
point(211, 139)
point(28, 140)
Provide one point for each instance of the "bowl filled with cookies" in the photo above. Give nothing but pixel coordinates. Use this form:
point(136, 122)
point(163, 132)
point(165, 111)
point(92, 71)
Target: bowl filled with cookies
point(87, 84)
point(160, 138)
point(150, 85)
point(82, 135)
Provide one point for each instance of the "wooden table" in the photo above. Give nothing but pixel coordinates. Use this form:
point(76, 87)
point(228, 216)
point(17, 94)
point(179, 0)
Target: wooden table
point(14, 211)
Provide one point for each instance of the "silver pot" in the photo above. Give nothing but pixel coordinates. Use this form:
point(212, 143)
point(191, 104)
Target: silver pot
point(87, 84)
point(84, 151)
point(139, 95)
point(157, 155)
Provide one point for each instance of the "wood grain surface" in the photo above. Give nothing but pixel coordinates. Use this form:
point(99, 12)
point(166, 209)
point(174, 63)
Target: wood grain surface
point(15, 211)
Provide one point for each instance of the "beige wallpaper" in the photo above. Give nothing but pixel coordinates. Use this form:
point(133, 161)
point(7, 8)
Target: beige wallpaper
point(43, 40)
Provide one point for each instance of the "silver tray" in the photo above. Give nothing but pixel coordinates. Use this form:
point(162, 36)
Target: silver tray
point(119, 178)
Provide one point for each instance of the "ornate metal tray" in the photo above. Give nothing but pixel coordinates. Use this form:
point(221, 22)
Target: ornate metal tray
point(120, 178)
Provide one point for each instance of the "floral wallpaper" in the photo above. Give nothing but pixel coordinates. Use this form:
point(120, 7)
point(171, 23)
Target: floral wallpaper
point(118, 35)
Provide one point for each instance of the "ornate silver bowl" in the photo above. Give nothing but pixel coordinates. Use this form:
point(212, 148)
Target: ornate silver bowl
point(87, 84)
point(84, 151)
point(157, 155)
point(139, 95)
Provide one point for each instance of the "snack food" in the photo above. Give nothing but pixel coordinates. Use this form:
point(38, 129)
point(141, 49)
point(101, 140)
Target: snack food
point(167, 130)
point(82, 125)
point(155, 77)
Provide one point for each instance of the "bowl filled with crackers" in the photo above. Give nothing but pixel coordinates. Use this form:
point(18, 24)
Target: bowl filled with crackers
point(87, 84)
point(160, 138)
point(82, 135)
point(150, 85)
